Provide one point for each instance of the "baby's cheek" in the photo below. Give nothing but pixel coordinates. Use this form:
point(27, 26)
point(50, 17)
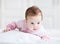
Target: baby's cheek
point(29, 26)
point(39, 26)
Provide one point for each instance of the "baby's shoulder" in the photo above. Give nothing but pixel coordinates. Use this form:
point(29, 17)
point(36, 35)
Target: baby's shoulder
point(21, 23)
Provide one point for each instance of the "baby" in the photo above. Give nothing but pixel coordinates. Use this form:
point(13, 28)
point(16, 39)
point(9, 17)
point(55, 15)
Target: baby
point(31, 24)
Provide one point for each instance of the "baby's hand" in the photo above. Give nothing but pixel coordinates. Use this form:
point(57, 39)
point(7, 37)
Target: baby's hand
point(6, 30)
point(44, 37)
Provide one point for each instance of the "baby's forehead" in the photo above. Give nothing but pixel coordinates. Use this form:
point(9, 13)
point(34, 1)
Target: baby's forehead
point(35, 18)
point(31, 20)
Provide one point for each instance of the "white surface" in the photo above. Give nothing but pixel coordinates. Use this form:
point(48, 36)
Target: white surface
point(16, 37)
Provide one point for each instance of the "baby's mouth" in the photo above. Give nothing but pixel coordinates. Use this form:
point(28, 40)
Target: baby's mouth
point(34, 29)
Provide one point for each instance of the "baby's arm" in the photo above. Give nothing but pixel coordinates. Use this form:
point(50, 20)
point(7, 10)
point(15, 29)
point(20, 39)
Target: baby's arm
point(11, 26)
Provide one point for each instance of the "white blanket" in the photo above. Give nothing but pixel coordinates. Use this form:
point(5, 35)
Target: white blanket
point(16, 37)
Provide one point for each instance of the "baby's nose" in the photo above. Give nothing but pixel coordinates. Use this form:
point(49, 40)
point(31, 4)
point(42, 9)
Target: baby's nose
point(35, 27)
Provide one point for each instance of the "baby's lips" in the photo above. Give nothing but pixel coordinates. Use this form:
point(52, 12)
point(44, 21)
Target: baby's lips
point(34, 29)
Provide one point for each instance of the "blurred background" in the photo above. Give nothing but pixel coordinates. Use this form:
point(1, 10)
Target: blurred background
point(14, 10)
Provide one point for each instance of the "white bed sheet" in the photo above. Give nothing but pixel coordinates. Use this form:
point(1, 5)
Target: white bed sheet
point(16, 37)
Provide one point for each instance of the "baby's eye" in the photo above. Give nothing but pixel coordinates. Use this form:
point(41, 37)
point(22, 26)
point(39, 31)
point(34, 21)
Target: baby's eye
point(38, 23)
point(32, 23)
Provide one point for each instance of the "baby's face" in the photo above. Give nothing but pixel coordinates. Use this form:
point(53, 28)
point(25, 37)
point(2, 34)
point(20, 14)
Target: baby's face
point(34, 23)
